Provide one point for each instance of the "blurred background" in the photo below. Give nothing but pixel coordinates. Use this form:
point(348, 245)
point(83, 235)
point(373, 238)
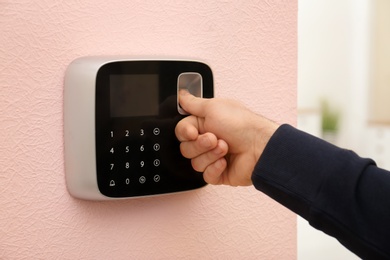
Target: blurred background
point(343, 89)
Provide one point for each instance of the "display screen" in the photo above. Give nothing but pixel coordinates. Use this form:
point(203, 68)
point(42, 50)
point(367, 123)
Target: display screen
point(134, 95)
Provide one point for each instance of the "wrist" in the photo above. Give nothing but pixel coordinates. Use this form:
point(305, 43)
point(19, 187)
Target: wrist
point(265, 129)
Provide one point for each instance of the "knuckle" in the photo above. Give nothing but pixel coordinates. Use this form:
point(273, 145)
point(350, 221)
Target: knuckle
point(184, 150)
point(196, 165)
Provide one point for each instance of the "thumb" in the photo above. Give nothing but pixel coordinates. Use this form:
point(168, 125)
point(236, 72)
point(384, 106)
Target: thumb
point(191, 104)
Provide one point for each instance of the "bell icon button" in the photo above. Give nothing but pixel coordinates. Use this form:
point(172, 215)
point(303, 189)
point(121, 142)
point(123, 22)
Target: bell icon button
point(112, 183)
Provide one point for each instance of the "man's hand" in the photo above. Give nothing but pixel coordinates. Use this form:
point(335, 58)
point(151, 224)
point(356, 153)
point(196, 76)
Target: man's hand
point(223, 139)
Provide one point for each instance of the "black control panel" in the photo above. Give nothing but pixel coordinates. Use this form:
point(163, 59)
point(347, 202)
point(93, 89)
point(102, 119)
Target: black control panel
point(137, 152)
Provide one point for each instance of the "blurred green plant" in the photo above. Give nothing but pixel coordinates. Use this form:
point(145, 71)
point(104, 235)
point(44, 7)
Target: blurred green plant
point(330, 117)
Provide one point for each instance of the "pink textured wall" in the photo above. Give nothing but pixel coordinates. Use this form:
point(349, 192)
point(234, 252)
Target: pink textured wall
point(251, 47)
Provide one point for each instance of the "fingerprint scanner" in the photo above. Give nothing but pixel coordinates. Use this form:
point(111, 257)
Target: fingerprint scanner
point(192, 82)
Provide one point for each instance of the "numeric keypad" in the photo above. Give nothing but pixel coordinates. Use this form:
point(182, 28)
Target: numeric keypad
point(133, 157)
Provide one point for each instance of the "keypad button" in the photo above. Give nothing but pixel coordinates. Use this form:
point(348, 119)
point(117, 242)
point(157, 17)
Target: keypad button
point(156, 178)
point(142, 179)
point(156, 131)
point(156, 147)
point(156, 162)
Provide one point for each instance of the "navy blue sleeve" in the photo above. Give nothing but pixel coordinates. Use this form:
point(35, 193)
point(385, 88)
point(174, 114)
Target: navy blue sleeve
point(337, 191)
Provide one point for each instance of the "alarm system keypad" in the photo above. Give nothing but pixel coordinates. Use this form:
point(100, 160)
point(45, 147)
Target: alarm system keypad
point(133, 158)
point(120, 115)
point(136, 111)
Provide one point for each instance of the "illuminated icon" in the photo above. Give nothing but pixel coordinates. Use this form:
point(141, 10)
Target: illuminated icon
point(156, 131)
point(156, 178)
point(156, 162)
point(142, 179)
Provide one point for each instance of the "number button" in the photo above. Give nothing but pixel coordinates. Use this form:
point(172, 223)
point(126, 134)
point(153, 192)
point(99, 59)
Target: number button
point(142, 148)
point(127, 133)
point(112, 150)
point(142, 132)
point(127, 150)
